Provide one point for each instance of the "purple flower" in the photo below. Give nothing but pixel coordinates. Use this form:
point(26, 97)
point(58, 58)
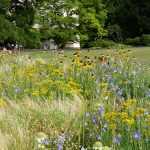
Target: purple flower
point(59, 147)
point(117, 139)
point(94, 120)
point(61, 140)
point(101, 110)
point(137, 135)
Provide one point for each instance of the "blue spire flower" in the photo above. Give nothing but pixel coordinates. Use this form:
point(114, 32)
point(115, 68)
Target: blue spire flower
point(137, 135)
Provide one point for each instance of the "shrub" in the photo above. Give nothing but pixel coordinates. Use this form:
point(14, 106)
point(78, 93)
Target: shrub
point(145, 39)
point(104, 43)
point(133, 41)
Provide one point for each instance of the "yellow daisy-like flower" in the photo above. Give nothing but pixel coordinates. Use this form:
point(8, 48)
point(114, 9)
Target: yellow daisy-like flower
point(2, 103)
point(129, 121)
point(124, 115)
point(111, 116)
point(73, 86)
point(113, 126)
point(139, 112)
point(129, 102)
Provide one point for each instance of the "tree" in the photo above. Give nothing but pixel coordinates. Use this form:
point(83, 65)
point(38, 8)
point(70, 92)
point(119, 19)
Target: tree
point(92, 21)
point(8, 29)
point(131, 16)
point(16, 21)
point(58, 21)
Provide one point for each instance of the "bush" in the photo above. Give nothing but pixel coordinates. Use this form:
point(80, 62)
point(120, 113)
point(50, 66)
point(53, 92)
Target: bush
point(32, 40)
point(104, 43)
point(134, 41)
point(145, 39)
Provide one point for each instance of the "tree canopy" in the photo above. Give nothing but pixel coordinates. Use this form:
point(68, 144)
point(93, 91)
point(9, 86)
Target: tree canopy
point(132, 17)
point(59, 21)
point(92, 21)
point(72, 20)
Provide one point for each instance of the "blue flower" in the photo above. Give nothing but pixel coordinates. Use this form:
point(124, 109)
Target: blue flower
point(94, 120)
point(117, 139)
point(61, 140)
point(101, 110)
point(137, 135)
point(59, 147)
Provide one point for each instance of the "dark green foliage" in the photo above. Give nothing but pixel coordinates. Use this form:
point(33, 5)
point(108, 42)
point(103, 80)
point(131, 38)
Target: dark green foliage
point(125, 21)
point(92, 19)
point(131, 16)
point(145, 39)
point(16, 20)
point(133, 41)
point(103, 43)
point(115, 32)
point(58, 24)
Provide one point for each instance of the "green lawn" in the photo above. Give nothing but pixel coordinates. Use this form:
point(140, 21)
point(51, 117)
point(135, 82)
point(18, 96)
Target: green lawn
point(142, 54)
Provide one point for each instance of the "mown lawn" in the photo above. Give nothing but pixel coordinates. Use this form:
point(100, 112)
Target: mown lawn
point(142, 54)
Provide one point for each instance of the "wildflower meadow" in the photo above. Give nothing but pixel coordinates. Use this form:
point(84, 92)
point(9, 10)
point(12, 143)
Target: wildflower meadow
point(74, 102)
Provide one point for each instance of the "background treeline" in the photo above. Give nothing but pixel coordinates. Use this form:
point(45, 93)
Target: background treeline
point(100, 23)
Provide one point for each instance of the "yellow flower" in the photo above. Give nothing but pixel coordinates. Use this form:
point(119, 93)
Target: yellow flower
point(35, 93)
point(139, 112)
point(111, 116)
point(104, 85)
point(129, 102)
point(123, 115)
point(57, 72)
point(113, 126)
point(2, 103)
point(129, 121)
point(43, 90)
